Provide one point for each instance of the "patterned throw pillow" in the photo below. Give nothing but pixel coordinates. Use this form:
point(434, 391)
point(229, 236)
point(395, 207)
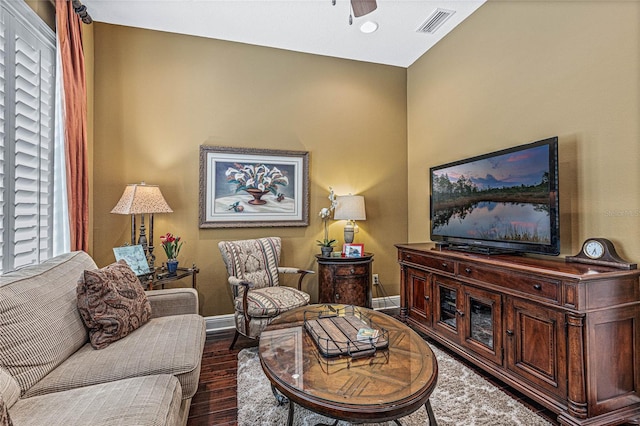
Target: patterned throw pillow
point(112, 303)
point(5, 420)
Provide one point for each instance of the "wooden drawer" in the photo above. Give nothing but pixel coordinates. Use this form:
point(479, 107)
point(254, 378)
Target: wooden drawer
point(532, 285)
point(430, 262)
point(346, 270)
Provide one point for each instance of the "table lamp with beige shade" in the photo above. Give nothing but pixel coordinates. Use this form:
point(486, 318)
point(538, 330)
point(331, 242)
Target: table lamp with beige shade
point(350, 208)
point(142, 199)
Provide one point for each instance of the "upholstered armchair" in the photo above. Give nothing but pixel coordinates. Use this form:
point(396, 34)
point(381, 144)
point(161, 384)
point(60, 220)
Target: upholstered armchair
point(258, 297)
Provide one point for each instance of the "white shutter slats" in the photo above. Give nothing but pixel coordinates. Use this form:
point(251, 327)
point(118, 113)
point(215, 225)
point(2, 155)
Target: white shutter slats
point(26, 96)
point(26, 147)
point(27, 159)
point(3, 102)
point(25, 215)
point(47, 135)
point(26, 49)
point(26, 73)
point(27, 87)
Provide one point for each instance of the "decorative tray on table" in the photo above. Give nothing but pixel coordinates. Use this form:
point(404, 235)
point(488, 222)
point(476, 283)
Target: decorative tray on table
point(345, 331)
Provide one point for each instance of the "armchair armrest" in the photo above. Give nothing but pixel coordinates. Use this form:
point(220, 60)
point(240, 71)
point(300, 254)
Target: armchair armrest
point(237, 282)
point(234, 281)
point(289, 270)
point(175, 301)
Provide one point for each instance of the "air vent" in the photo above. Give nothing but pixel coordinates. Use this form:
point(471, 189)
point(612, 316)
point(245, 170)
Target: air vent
point(433, 22)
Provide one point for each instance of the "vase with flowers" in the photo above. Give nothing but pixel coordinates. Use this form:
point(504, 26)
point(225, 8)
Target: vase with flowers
point(257, 180)
point(171, 246)
point(326, 245)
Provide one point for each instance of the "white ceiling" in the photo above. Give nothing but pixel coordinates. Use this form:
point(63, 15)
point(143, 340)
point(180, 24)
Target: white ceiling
point(311, 26)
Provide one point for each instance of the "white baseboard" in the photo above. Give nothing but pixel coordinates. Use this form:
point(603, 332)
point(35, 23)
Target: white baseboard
point(388, 302)
point(219, 323)
point(225, 322)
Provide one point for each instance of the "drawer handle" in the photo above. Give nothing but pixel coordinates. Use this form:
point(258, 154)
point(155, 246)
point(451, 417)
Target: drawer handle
point(467, 270)
point(444, 265)
point(427, 298)
point(509, 332)
point(461, 313)
point(408, 256)
point(352, 270)
point(337, 296)
point(537, 287)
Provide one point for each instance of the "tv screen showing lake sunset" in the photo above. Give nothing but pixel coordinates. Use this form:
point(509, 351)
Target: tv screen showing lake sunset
point(498, 198)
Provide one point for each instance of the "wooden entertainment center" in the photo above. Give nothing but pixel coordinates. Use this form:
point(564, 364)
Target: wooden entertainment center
point(565, 334)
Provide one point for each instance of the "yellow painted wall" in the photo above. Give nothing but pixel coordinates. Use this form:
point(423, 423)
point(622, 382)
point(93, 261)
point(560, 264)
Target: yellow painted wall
point(46, 10)
point(89, 50)
point(159, 96)
point(520, 71)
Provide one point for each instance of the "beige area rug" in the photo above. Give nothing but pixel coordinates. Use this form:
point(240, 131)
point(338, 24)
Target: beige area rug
point(461, 397)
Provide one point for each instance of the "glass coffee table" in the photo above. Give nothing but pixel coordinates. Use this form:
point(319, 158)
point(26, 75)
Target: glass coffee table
point(384, 383)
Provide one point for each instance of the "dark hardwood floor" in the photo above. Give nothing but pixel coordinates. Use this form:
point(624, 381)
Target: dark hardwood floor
point(215, 401)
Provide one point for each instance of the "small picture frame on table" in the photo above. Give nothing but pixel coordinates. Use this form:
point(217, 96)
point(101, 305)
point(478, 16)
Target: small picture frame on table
point(135, 258)
point(352, 250)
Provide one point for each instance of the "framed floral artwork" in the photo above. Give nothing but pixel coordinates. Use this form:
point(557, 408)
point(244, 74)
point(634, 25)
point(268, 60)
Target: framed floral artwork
point(352, 250)
point(250, 187)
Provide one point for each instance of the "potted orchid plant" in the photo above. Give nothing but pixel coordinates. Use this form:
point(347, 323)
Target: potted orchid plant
point(326, 245)
point(171, 246)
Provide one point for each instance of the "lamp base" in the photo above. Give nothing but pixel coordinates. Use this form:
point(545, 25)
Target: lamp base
point(348, 233)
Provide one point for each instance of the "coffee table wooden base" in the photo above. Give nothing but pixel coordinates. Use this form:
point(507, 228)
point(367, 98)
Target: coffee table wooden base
point(281, 400)
point(427, 406)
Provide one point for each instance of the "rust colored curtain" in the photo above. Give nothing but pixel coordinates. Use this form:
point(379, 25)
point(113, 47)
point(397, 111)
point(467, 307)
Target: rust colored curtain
point(69, 29)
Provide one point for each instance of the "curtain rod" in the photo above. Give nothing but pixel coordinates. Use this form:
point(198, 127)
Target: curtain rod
point(81, 10)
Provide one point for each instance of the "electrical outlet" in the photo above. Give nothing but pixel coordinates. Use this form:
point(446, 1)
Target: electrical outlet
point(376, 279)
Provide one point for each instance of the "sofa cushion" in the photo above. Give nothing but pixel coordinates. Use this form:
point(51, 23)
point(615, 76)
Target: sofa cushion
point(9, 388)
point(42, 300)
point(112, 303)
point(166, 345)
point(272, 301)
point(150, 400)
point(5, 420)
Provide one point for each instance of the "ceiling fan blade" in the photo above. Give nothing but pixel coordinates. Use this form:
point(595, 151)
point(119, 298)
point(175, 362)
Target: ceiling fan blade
point(362, 7)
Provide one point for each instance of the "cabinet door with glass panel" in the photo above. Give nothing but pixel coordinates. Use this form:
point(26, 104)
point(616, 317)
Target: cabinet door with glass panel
point(469, 316)
point(447, 307)
point(482, 322)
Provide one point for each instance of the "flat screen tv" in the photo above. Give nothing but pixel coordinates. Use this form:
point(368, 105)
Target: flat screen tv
point(504, 201)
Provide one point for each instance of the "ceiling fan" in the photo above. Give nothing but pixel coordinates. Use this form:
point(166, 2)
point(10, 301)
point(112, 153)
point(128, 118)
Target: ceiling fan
point(360, 8)
point(363, 7)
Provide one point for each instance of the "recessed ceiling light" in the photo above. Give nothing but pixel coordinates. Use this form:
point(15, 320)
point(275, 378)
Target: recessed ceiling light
point(369, 27)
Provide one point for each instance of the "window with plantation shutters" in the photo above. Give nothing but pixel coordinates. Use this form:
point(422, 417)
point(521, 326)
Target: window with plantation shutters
point(27, 106)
